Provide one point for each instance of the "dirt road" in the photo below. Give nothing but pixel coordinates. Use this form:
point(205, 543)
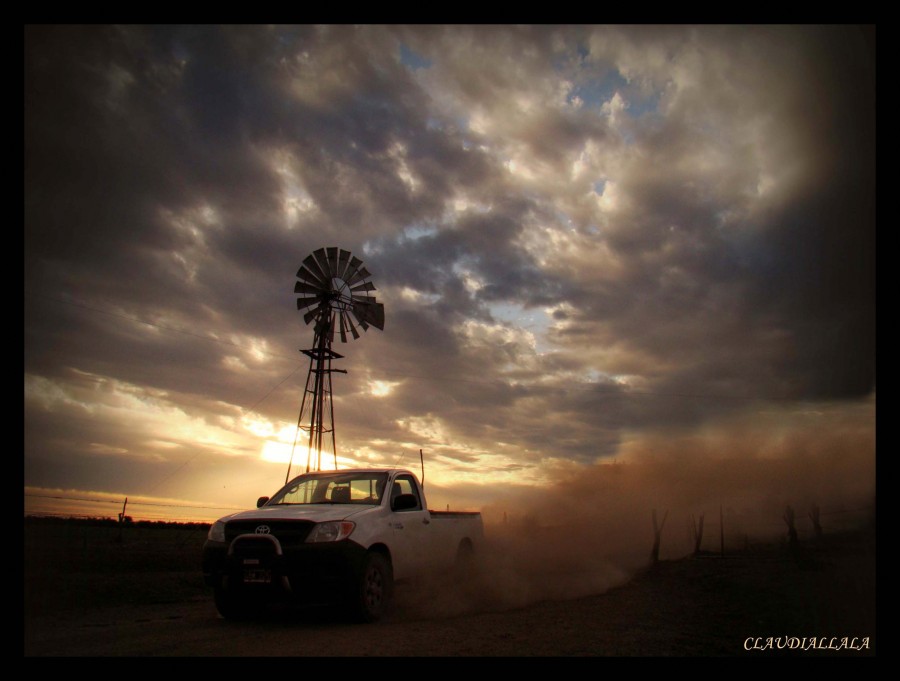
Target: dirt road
point(692, 607)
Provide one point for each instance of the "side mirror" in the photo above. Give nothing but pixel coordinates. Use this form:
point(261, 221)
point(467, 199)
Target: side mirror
point(404, 502)
point(261, 501)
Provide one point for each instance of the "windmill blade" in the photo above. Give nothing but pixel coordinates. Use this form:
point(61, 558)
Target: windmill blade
point(343, 327)
point(359, 275)
point(331, 329)
point(352, 328)
point(322, 259)
point(309, 316)
point(367, 286)
point(343, 259)
point(360, 318)
point(377, 318)
point(309, 277)
point(303, 287)
point(354, 264)
point(306, 302)
point(332, 254)
point(313, 267)
point(352, 268)
point(369, 313)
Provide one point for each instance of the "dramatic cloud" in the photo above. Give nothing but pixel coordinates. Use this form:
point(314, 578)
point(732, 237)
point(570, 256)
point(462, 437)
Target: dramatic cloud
point(584, 237)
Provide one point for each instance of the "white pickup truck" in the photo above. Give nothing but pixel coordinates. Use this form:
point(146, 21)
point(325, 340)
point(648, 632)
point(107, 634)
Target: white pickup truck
point(334, 536)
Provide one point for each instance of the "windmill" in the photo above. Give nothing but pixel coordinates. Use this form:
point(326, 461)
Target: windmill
point(333, 288)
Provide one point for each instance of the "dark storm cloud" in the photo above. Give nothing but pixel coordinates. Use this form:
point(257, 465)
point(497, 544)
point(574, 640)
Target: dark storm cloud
point(785, 290)
point(480, 244)
point(818, 274)
point(109, 142)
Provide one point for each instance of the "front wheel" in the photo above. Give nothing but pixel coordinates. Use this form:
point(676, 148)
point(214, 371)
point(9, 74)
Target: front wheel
point(376, 586)
point(231, 606)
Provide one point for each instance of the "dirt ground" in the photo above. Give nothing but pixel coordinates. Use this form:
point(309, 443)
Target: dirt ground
point(706, 606)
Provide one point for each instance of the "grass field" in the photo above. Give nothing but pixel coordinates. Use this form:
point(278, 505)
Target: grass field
point(79, 564)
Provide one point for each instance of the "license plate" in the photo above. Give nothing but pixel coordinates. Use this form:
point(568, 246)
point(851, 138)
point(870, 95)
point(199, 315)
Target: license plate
point(257, 576)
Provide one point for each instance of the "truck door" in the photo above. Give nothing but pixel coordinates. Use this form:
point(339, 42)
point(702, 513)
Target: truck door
point(410, 529)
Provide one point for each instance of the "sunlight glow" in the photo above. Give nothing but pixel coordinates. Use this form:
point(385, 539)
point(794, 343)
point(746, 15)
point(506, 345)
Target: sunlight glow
point(144, 412)
point(296, 201)
point(254, 348)
point(500, 336)
point(278, 452)
point(414, 296)
point(607, 201)
point(472, 283)
point(463, 204)
point(428, 427)
point(398, 153)
point(382, 388)
point(233, 363)
point(258, 427)
point(100, 448)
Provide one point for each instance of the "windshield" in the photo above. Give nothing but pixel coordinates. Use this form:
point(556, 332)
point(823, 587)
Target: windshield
point(333, 488)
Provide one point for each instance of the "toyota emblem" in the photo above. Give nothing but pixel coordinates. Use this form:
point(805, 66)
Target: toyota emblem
point(263, 529)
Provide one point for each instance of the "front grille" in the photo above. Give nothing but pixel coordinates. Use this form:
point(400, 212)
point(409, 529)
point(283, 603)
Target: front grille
point(288, 532)
point(254, 546)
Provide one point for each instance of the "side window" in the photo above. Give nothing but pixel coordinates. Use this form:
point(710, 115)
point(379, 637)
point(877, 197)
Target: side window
point(404, 484)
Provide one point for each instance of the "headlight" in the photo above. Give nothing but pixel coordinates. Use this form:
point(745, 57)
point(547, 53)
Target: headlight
point(333, 531)
point(217, 531)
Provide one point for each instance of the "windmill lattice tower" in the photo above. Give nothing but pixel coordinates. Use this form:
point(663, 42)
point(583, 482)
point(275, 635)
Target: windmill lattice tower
point(333, 287)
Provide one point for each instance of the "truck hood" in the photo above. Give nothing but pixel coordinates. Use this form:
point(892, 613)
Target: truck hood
point(318, 513)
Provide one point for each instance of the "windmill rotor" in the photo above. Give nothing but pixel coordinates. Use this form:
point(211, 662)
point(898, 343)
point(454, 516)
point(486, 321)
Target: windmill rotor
point(332, 281)
point(334, 294)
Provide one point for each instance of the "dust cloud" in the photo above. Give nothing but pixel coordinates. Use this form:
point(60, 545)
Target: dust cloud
point(590, 528)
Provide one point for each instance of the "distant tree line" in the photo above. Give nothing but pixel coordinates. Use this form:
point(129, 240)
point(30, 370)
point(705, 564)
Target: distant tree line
point(111, 522)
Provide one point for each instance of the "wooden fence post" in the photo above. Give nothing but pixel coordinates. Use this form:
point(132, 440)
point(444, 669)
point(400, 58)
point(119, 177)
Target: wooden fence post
point(697, 531)
point(721, 531)
point(122, 520)
point(792, 530)
point(814, 516)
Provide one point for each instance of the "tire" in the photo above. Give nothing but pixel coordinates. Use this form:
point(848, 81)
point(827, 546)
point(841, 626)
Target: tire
point(466, 561)
point(232, 606)
point(375, 587)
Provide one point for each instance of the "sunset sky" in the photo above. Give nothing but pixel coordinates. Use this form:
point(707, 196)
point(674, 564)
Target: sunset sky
point(594, 244)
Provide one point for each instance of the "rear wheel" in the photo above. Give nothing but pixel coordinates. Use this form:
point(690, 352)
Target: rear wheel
point(466, 560)
point(376, 586)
